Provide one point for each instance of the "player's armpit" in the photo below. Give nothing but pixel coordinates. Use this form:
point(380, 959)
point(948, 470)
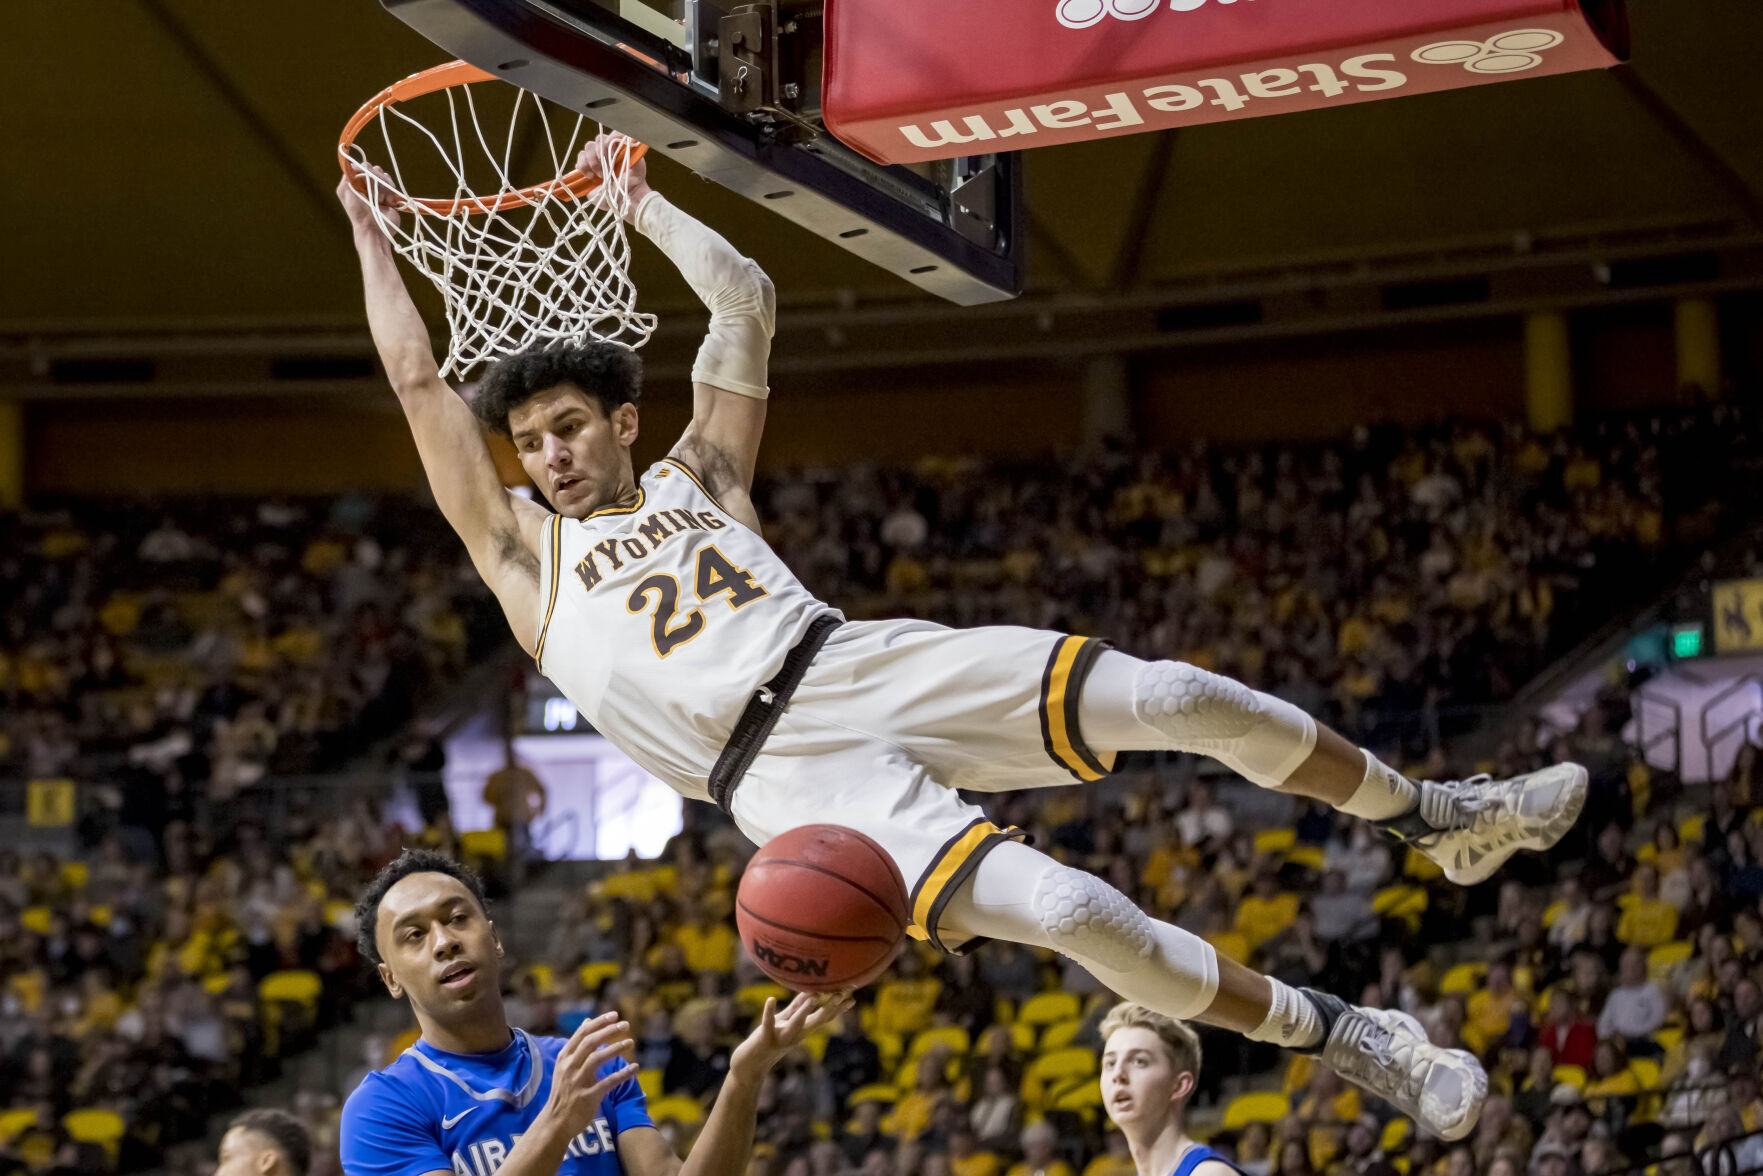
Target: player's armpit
point(643, 1151)
point(721, 447)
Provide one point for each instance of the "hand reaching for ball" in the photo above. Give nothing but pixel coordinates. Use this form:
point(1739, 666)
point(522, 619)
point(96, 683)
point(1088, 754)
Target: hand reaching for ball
point(777, 1033)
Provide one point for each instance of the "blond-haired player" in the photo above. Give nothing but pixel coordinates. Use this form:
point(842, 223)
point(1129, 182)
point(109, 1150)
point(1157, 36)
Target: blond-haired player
point(1150, 1068)
point(655, 604)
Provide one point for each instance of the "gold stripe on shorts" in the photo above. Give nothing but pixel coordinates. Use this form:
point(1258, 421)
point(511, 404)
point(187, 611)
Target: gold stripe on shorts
point(1061, 685)
point(555, 561)
point(954, 863)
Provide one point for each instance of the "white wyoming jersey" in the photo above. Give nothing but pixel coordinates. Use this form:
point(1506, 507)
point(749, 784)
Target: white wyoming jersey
point(661, 619)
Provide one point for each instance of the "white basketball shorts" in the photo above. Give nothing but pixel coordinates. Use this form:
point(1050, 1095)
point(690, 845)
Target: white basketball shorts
point(893, 716)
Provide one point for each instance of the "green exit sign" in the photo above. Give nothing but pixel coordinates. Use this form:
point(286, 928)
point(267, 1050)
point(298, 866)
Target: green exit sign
point(1686, 641)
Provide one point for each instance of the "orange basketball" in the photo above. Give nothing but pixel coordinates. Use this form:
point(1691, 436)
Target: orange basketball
point(821, 908)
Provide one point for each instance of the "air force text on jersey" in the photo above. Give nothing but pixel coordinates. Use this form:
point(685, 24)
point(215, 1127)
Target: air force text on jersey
point(433, 1111)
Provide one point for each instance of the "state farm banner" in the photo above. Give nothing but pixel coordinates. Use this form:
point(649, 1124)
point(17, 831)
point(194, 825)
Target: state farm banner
point(910, 80)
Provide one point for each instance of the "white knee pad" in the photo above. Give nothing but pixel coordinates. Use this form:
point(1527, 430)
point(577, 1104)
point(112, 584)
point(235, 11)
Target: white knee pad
point(1090, 920)
point(1261, 737)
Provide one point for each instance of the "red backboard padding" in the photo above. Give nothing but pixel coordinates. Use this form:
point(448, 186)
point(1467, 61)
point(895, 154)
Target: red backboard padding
point(909, 80)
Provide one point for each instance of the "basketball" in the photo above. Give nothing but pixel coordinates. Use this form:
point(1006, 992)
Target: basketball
point(821, 908)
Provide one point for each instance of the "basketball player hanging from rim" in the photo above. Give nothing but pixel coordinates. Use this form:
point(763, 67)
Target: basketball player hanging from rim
point(655, 605)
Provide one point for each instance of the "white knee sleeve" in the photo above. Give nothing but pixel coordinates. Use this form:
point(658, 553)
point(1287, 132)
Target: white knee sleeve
point(1261, 737)
point(1021, 894)
point(1087, 918)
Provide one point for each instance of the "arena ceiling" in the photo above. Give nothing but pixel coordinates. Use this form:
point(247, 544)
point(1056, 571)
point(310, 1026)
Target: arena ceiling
point(169, 164)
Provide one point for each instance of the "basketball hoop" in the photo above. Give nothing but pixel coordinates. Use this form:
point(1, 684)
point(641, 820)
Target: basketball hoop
point(517, 266)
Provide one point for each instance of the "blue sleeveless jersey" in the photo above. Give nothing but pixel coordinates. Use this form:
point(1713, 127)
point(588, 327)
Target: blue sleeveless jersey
point(1195, 1156)
point(433, 1111)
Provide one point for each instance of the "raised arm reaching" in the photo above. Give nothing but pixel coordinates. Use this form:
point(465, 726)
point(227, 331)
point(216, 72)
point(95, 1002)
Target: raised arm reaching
point(500, 530)
point(729, 377)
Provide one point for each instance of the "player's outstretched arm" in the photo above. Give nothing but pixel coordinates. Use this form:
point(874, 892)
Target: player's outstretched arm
point(726, 1143)
point(502, 543)
point(721, 445)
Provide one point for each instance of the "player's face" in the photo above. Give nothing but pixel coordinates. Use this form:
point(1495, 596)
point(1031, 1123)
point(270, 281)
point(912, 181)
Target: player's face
point(574, 453)
point(437, 946)
point(1140, 1084)
point(244, 1153)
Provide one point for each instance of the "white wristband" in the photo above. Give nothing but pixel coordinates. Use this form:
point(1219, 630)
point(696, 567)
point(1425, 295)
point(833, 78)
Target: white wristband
point(742, 303)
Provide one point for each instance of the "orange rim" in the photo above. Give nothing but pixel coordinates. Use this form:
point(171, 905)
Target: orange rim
point(571, 185)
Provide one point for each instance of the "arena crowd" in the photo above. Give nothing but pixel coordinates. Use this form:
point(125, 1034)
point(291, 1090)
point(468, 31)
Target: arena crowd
point(174, 662)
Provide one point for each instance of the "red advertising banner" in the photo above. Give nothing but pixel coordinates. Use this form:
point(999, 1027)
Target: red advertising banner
point(910, 80)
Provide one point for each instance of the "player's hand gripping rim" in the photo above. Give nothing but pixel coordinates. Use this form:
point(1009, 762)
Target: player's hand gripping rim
point(576, 1094)
point(370, 199)
point(779, 1033)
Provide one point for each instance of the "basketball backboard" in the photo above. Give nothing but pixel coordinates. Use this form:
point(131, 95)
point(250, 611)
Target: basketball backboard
point(733, 93)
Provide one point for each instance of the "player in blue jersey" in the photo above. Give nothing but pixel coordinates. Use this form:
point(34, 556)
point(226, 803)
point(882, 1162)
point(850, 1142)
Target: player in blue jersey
point(474, 1096)
point(1150, 1067)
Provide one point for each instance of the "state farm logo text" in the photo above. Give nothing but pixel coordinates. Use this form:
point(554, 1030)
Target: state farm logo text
point(1081, 14)
point(1370, 74)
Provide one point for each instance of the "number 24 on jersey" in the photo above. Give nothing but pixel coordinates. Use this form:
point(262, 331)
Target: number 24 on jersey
point(715, 576)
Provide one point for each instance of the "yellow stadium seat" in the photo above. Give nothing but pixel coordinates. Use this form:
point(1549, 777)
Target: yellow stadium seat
point(1552, 913)
point(1082, 1096)
point(1310, 857)
point(14, 1121)
point(678, 1107)
point(1395, 1135)
point(35, 919)
point(751, 999)
point(1047, 1007)
point(1693, 827)
point(952, 1037)
point(1420, 867)
point(879, 1092)
point(74, 875)
point(1059, 1034)
point(1257, 1106)
point(1647, 853)
point(1466, 977)
point(216, 983)
point(594, 975)
point(338, 911)
point(1669, 1037)
point(96, 1125)
point(101, 915)
point(543, 977)
point(1275, 840)
point(1667, 956)
point(1003, 1012)
point(890, 1044)
point(815, 1044)
point(1232, 945)
point(1407, 903)
point(649, 1082)
point(1646, 1072)
point(295, 987)
point(1573, 1076)
point(489, 844)
point(1297, 1074)
point(1052, 1070)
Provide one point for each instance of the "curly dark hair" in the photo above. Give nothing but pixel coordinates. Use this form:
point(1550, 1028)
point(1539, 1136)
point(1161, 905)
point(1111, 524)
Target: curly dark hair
point(610, 374)
point(411, 861)
point(285, 1133)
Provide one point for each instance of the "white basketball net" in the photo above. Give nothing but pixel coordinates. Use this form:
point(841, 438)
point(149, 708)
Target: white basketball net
point(518, 266)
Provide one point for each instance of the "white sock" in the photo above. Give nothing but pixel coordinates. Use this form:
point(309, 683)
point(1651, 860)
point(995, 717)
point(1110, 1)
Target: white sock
point(1292, 1020)
point(1384, 793)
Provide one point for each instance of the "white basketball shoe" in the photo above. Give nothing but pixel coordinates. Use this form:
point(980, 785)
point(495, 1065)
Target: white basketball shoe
point(1387, 1054)
point(1470, 827)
